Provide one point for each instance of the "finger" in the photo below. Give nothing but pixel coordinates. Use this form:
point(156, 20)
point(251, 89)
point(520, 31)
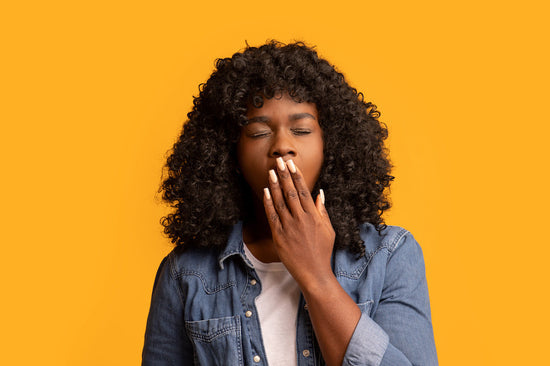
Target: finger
point(289, 190)
point(304, 195)
point(277, 197)
point(320, 204)
point(271, 213)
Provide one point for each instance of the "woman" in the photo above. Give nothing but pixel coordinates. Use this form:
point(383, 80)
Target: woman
point(262, 272)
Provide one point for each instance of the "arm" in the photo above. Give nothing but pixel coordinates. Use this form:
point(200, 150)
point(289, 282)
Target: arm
point(402, 320)
point(304, 238)
point(166, 342)
point(404, 309)
point(334, 316)
point(401, 331)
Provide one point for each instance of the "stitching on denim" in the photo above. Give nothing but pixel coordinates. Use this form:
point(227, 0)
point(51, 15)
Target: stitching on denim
point(208, 290)
point(396, 239)
point(174, 276)
point(248, 288)
point(358, 272)
point(366, 307)
point(395, 242)
point(226, 255)
point(239, 341)
point(365, 303)
point(389, 245)
point(245, 289)
point(226, 331)
point(355, 274)
point(210, 337)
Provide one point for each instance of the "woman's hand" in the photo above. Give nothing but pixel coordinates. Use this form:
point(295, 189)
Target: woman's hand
point(304, 238)
point(301, 229)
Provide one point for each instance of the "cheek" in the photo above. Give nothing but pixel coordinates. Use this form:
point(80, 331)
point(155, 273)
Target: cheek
point(317, 151)
point(313, 164)
point(251, 168)
point(319, 159)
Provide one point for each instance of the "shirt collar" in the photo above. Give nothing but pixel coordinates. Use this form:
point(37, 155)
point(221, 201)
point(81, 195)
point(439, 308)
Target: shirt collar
point(235, 246)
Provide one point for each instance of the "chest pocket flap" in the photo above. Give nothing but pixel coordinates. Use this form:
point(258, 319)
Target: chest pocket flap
point(216, 341)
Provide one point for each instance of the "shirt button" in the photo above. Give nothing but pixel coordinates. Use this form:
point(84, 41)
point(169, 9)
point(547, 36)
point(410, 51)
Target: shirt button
point(305, 353)
point(248, 314)
point(253, 282)
point(256, 358)
point(305, 306)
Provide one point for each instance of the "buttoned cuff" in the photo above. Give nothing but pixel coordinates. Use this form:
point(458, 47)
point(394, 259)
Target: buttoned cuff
point(367, 344)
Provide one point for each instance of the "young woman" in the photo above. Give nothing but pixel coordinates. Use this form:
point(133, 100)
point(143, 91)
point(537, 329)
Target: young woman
point(278, 182)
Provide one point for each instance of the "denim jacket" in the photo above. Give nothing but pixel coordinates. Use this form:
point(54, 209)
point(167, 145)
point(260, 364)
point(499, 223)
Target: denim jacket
point(202, 309)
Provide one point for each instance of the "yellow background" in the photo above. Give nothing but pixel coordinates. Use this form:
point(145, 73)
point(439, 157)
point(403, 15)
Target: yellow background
point(94, 93)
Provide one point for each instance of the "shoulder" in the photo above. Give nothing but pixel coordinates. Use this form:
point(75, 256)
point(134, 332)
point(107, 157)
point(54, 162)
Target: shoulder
point(390, 244)
point(389, 239)
point(201, 258)
point(192, 258)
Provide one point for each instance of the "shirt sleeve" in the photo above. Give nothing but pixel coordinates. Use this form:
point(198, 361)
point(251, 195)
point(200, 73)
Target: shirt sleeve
point(166, 342)
point(400, 332)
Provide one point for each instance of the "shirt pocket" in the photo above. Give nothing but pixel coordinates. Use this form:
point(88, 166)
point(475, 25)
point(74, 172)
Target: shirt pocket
point(216, 341)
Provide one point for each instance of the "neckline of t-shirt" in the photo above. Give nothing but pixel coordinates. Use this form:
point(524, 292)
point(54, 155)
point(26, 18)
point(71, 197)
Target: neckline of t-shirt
point(261, 266)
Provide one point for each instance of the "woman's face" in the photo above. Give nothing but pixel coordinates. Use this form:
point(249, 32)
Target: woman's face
point(280, 128)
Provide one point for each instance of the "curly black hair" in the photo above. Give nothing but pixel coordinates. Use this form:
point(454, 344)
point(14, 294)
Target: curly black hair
point(204, 184)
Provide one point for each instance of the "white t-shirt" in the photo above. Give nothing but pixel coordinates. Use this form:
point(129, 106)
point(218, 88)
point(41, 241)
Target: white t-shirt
point(277, 307)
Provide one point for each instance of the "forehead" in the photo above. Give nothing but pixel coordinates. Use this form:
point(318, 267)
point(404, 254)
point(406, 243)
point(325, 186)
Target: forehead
point(281, 106)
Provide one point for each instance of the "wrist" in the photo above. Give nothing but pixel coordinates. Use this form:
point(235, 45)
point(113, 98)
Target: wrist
point(320, 283)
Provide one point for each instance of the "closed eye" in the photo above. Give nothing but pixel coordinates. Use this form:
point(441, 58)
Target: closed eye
point(300, 131)
point(259, 134)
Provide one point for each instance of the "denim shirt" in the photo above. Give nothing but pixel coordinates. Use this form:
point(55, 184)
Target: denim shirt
point(202, 309)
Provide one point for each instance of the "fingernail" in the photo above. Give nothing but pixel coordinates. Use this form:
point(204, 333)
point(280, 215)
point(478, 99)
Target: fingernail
point(322, 194)
point(266, 193)
point(291, 166)
point(281, 164)
point(273, 176)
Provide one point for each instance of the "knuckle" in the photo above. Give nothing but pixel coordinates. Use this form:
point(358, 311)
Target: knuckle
point(273, 217)
point(292, 194)
point(304, 193)
point(280, 206)
point(284, 174)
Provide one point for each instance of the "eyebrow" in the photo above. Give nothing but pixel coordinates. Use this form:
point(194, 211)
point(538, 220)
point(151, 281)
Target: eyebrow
point(297, 116)
point(261, 119)
point(292, 117)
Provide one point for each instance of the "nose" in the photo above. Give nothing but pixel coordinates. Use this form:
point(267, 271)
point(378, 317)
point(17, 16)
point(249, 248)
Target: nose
point(282, 145)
